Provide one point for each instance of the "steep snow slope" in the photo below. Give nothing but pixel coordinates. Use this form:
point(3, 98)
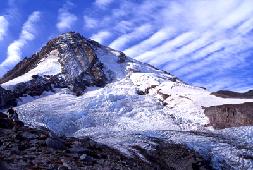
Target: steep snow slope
point(139, 102)
point(47, 66)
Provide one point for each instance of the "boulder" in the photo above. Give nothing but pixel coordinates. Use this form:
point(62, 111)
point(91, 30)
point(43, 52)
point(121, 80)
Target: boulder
point(6, 123)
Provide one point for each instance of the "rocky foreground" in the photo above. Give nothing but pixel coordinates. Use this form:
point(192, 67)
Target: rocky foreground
point(22, 147)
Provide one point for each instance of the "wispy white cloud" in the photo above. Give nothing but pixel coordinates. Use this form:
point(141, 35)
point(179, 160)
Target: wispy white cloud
point(3, 27)
point(124, 26)
point(90, 22)
point(152, 41)
point(27, 34)
point(218, 61)
point(103, 3)
point(101, 36)
point(153, 54)
point(138, 33)
point(66, 19)
point(238, 15)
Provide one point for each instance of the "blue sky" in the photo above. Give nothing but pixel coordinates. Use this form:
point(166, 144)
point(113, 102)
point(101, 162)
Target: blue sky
point(204, 42)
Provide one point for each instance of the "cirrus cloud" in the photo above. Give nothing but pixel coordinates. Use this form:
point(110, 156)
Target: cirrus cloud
point(101, 36)
point(3, 27)
point(66, 19)
point(27, 34)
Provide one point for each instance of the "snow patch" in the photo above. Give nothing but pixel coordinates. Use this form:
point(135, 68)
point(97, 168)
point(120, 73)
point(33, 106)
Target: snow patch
point(47, 66)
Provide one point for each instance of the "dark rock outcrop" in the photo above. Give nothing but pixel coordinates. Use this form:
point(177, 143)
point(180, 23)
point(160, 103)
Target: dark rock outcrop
point(6, 123)
point(230, 115)
point(38, 85)
point(231, 94)
point(7, 98)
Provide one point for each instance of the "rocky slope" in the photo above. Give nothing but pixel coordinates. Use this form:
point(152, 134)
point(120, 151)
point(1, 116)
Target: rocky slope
point(78, 88)
point(22, 147)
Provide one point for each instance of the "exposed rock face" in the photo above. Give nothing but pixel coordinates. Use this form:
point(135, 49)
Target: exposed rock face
point(28, 148)
point(6, 123)
point(80, 67)
point(230, 115)
point(231, 94)
point(38, 85)
point(173, 156)
point(7, 98)
point(79, 61)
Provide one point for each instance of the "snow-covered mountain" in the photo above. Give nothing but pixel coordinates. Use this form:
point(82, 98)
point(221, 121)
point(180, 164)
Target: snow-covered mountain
point(77, 87)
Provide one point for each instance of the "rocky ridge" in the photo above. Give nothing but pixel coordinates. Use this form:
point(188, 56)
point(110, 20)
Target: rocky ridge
point(231, 94)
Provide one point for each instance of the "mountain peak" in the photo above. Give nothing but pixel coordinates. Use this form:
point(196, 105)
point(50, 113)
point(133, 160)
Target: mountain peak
point(67, 38)
point(71, 35)
point(65, 61)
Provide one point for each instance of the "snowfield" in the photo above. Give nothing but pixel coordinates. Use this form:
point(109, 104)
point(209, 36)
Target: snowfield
point(120, 117)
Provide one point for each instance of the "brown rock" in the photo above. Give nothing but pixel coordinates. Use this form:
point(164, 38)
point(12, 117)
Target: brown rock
point(230, 115)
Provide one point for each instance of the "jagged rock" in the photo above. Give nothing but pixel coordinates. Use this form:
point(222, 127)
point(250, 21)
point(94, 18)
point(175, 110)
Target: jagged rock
point(140, 92)
point(122, 57)
point(7, 98)
point(230, 115)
